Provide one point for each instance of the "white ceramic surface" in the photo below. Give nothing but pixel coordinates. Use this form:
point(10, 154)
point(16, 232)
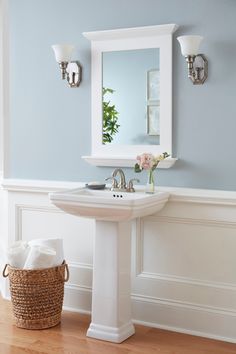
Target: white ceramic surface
point(113, 211)
point(108, 205)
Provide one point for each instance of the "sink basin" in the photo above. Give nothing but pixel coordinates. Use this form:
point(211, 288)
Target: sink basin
point(113, 212)
point(109, 205)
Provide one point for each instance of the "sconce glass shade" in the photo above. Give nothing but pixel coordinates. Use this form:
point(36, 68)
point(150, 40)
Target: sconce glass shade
point(189, 44)
point(63, 52)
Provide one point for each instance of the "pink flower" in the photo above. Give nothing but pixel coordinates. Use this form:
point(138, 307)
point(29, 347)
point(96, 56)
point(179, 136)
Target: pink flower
point(146, 161)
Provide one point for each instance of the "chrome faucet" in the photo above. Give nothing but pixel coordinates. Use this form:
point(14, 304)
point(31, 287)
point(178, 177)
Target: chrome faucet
point(122, 182)
point(121, 186)
point(114, 184)
point(130, 186)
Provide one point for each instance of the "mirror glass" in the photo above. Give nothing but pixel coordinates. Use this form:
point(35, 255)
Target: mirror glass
point(131, 97)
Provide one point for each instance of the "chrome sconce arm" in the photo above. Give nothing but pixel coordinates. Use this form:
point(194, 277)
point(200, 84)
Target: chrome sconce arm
point(197, 63)
point(63, 66)
point(70, 70)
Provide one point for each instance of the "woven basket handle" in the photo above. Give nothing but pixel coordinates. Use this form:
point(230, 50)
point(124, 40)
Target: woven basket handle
point(67, 273)
point(4, 271)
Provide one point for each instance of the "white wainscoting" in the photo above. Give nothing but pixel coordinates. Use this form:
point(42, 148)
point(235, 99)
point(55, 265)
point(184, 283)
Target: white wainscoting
point(183, 258)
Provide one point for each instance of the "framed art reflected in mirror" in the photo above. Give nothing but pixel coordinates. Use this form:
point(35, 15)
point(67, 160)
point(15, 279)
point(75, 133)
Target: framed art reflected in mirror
point(153, 102)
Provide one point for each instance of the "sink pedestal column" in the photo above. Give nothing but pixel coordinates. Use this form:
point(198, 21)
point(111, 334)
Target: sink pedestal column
point(111, 301)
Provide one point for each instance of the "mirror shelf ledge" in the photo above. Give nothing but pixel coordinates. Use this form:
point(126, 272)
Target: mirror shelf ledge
point(114, 161)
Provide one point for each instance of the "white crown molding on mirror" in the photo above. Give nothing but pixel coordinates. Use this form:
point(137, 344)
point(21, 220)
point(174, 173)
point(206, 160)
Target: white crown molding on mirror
point(159, 36)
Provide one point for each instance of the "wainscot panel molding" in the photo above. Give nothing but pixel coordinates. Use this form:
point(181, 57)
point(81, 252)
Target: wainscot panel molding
point(183, 258)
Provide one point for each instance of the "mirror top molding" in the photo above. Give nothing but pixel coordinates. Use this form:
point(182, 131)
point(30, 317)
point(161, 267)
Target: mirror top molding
point(133, 32)
point(122, 40)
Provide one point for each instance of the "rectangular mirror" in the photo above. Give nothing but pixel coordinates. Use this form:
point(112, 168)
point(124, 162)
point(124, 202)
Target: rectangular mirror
point(130, 97)
point(131, 94)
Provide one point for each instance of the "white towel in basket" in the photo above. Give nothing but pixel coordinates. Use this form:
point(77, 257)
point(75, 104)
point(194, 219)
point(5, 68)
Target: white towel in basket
point(54, 243)
point(17, 254)
point(40, 257)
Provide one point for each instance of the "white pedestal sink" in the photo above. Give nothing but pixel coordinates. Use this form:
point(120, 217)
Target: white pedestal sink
point(113, 211)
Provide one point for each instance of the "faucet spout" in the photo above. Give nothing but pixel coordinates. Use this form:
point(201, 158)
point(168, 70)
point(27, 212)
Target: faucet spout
point(122, 182)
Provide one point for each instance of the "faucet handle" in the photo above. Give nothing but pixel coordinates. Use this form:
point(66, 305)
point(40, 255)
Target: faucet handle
point(114, 184)
point(130, 187)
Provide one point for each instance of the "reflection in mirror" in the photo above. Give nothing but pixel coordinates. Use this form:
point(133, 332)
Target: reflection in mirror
point(131, 97)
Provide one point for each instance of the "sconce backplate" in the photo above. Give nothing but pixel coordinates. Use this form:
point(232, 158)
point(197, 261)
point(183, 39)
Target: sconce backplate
point(74, 73)
point(197, 68)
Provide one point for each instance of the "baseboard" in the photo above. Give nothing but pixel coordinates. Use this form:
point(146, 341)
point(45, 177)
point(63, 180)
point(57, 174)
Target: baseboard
point(197, 321)
point(77, 299)
point(164, 327)
point(76, 310)
point(185, 331)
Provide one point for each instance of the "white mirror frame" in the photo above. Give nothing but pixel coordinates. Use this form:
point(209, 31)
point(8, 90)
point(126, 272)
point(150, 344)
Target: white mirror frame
point(159, 36)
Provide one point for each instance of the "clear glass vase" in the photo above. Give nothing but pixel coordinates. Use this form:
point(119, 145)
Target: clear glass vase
point(150, 186)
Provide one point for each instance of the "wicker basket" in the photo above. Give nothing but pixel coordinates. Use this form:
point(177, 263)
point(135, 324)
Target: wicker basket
point(37, 295)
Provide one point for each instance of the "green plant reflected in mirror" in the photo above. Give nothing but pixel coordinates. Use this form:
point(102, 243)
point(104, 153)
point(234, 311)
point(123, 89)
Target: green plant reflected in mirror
point(110, 117)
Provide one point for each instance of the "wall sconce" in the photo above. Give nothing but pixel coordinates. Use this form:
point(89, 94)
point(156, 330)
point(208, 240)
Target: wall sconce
point(197, 63)
point(70, 70)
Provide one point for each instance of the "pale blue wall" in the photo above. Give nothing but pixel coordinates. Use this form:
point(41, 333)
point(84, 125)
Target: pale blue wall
point(50, 123)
